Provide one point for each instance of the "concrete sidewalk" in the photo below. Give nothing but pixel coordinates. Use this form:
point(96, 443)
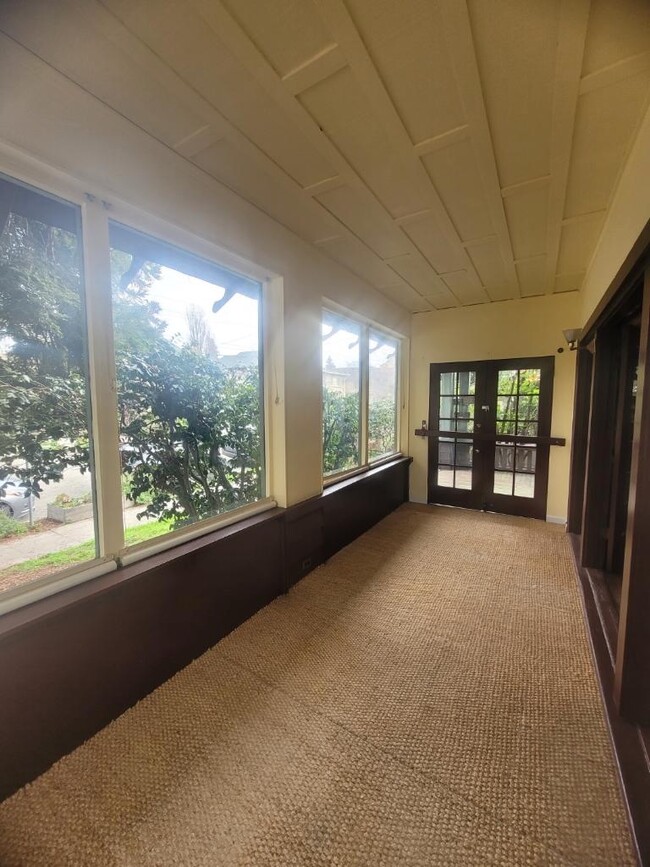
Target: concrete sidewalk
point(27, 547)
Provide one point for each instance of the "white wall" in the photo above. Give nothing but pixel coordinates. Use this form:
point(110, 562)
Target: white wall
point(508, 329)
point(47, 117)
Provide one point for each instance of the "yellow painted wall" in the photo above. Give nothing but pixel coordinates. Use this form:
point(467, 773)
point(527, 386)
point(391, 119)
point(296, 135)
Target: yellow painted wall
point(629, 212)
point(509, 329)
point(46, 116)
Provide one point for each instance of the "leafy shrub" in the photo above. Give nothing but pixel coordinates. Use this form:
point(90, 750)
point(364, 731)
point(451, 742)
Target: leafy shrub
point(10, 527)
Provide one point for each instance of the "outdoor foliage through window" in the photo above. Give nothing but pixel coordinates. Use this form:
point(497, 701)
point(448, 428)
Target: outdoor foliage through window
point(341, 393)
point(188, 367)
point(346, 344)
point(189, 386)
point(44, 428)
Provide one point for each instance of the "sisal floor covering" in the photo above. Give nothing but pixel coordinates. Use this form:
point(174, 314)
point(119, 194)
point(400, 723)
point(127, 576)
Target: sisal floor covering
point(426, 698)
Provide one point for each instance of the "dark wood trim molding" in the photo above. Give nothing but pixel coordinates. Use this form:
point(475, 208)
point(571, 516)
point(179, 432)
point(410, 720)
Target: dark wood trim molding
point(630, 742)
point(71, 663)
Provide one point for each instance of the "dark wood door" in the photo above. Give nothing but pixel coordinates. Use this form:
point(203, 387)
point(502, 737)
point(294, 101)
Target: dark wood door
point(489, 435)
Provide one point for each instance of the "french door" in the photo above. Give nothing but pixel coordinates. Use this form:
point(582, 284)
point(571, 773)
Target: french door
point(489, 435)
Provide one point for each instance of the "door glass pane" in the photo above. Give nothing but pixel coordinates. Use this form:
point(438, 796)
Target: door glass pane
point(447, 406)
point(524, 485)
point(528, 407)
point(466, 381)
point(446, 450)
point(507, 407)
point(525, 461)
point(448, 383)
point(529, 380)
point(46, 485)
point(382, 395)
point(504, 457)
point(189, 373)
point(447, 424)
point(507, 382)
point(527, 428)
point(463, 463)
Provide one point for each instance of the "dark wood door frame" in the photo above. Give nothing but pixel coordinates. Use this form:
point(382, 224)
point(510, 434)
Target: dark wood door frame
point(620, 636)
point(484, 438)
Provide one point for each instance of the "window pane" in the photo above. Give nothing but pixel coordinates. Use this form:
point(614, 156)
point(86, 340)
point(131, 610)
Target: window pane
point(188, 361)
point(508, 382)
point(382, 395)
point(507, 407)
point(448, 383)
point(529, 381)
point(341, 393)
point(463, 463)
point(46, 493)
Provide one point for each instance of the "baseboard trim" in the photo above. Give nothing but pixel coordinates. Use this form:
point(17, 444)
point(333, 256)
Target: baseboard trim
point(555, 519)
point(630, 742)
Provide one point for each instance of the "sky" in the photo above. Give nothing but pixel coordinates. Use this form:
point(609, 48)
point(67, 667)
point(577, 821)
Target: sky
point(234, 328)
point(342, 347)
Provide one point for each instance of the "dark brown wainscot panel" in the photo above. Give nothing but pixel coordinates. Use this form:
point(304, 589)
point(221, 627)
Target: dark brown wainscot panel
point(73, 662)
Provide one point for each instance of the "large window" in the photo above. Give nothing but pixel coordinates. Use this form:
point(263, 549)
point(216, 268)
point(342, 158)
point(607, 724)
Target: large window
point(189, 386)
point(182, 373)
point(46, 491)
point(360, 394)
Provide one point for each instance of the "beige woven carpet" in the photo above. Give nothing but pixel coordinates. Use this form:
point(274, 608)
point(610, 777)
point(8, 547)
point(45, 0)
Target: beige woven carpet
point(426, 698)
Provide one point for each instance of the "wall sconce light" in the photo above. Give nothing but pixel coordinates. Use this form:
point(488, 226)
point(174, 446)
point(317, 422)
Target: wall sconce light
point(572, 335)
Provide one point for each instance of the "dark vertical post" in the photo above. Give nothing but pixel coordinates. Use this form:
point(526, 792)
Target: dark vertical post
point(632, 672)
point(599, 453)
point(580, 437)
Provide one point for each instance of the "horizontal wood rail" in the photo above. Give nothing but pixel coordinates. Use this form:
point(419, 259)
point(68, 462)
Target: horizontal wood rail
point(491, 438)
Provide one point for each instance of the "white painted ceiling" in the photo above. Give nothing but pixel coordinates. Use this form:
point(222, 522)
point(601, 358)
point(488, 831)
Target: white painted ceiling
point(451, 152)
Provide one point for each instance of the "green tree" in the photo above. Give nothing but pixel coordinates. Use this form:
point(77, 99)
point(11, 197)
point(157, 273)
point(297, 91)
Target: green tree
point(191, 443)
point(340, 430)
point(43, 406)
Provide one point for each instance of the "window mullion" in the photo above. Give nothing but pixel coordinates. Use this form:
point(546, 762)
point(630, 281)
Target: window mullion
point(103, 387)
point(364, 364)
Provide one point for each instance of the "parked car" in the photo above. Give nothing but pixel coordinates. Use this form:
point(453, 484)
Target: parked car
point(15, 500)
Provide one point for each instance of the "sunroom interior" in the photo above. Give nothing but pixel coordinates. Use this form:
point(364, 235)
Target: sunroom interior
point(283, 290)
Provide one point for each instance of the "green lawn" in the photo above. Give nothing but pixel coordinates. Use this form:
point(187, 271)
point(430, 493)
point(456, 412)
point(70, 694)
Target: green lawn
point(85, 551)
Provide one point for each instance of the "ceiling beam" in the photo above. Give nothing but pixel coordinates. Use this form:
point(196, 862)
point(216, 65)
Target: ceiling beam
point(317, 68)
point(525, 186)
point(572, 33)
point(615, 72)
point(456, 26)
point(444, 140)
point(228, 30)
point(340, 24)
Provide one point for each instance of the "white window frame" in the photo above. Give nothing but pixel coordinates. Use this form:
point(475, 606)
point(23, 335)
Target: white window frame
point(367, 325)
point(97, 208)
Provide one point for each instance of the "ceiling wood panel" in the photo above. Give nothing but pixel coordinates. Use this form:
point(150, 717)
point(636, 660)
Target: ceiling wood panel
point(487, 260)
point(288, 32)
point(532, 275)
point(515, 47)
point(578, 243)
point(371, 224)
point(450, 152)
point(65, 36)
point(527, 212)
point(606, 120)
point(226, 162)
point(616, 31)
point(406, 44)
point(424, 231)
point(454, 172)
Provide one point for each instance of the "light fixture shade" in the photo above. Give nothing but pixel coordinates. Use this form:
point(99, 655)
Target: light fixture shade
point(572, 335)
